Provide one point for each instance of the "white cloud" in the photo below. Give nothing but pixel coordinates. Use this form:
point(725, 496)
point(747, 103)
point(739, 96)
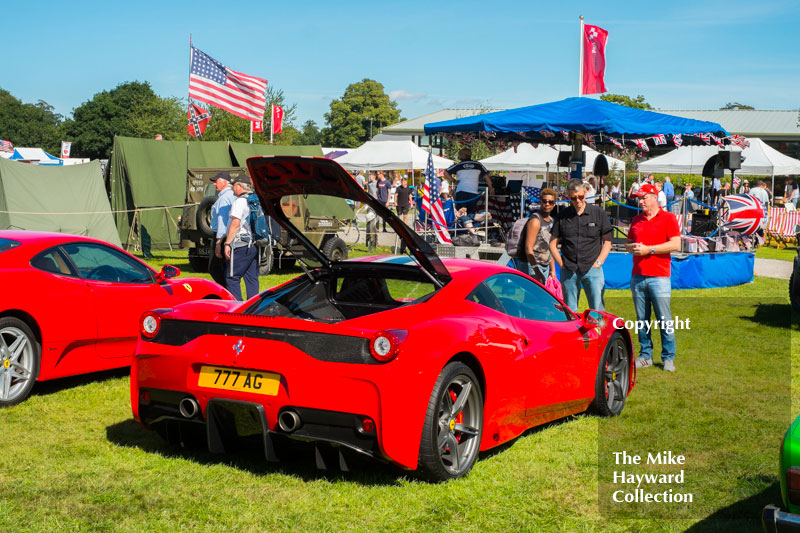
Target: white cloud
point(405, 95)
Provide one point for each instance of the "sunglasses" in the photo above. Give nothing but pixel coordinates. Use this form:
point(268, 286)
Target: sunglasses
point(549, 202)
point(577, 198)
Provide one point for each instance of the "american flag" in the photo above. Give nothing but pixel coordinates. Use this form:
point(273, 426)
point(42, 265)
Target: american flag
point(677, 139)
point(213, 83)
point(642, 143)
point(615, 142)
point(432, 203)
point(743, 213)
point(533, 193)
point(6, 146)
point(704, 137)
point(504, 209)
point(659, 139)
point(198, 120)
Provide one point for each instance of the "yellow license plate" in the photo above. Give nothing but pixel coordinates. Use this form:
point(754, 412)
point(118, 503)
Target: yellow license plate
point(237, 379)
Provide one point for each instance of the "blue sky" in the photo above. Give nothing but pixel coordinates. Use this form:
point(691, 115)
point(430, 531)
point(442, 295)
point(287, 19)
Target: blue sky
point(428, 55)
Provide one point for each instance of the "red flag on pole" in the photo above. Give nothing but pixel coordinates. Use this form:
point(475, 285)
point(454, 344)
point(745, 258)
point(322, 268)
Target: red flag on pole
point(198, 120)
point(277, 119)
point(594, 59)
point(256, 125)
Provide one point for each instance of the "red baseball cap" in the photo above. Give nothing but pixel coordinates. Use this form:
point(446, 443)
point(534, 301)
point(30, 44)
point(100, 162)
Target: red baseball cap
point(645, 189)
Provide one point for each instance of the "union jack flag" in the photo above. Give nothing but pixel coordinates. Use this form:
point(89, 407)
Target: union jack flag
point(590, 140)
point(546, 133)
point(659, 139)
point(742, 213)
point(6, 146)
point(677, 139)
point(565, 134)
point(642, 143)
point(715, 139)
point(432, 203)
point(740, 140)
point(705, 137)
point(736, 181)
point(615, 142)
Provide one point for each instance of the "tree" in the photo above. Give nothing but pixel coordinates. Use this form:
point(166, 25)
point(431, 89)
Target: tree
point(363, 109)
point(131, 109)
point(736, 106)
point(29, 124)
point(638, 102)
point(309, 134)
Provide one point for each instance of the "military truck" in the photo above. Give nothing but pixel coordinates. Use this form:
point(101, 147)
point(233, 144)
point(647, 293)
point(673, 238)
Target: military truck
point(320, 217)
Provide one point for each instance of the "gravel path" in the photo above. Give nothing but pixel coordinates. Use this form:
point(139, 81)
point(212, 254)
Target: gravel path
point(773, 268)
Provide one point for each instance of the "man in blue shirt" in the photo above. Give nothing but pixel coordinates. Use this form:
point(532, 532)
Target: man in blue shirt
point(669, 191)
point(384, 186)
point(220, 216)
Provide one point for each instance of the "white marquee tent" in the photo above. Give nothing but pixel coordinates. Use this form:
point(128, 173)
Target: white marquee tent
point(540, 159)
point(389, 155)
point(760, 160)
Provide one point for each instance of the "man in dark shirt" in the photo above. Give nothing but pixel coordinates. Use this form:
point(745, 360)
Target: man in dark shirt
point(585, 237)
point(402, 198)
point(384, 187)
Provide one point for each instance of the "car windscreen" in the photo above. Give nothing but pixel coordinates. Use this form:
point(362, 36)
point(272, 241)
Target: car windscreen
point(7, 244)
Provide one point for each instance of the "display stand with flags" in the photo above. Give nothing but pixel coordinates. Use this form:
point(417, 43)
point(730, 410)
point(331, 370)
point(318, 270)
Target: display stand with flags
point(432, 203)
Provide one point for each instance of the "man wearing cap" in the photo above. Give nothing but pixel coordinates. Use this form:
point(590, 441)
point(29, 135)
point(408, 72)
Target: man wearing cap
point(220, 213)
point(584, 233)
point(240, 249)
point(653, 235)
point(468, 174)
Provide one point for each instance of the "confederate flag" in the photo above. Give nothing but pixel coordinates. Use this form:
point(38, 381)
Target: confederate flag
point(198, 120)
point(594, 59)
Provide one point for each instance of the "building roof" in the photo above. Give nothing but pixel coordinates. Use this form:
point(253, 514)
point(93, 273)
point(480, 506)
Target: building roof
point(766, 124)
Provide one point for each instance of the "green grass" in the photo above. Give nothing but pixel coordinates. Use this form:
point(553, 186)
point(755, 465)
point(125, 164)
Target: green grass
point(784, 254)
point(73, 459)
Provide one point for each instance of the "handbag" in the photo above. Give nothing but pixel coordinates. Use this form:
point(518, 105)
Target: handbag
point(553, 286)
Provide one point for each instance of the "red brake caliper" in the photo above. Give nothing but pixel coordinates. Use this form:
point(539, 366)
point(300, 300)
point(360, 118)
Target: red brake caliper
point(459, 416)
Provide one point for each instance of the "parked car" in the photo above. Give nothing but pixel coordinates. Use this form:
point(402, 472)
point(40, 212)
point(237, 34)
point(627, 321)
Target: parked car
point(416, 361)
point(71, 305)
point(319, 222)
point(788, 519)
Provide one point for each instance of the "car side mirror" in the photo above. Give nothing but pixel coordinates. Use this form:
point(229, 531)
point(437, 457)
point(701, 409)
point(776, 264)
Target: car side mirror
point(592, 319)
point(167, 272)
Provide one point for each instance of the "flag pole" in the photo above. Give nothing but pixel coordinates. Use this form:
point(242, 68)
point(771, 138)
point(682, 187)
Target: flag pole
point(271, 122)
point(580, 64)
point(251, 132)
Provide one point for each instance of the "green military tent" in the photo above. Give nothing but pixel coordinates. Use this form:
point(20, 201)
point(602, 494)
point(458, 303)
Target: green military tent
point(147, 181)
point(65, 199)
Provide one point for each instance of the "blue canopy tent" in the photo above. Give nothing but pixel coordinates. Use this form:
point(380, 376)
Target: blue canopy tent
point(578, 115)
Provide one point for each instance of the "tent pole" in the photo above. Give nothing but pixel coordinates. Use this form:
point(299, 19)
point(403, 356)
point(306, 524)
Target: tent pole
point(130, 232)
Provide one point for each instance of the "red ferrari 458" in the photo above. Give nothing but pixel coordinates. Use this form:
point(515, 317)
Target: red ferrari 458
point(413, 360)
point(71, 305)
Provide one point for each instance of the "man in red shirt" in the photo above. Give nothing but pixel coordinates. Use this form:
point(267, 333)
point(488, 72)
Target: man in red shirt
point(653, 235)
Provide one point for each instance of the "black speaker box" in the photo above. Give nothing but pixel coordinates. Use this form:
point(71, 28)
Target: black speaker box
point(729, 160)
point(565, 157)
point(711, 170)
point(703, 225)
point(600, 166)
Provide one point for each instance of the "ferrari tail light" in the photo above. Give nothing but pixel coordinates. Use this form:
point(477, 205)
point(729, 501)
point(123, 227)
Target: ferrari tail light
point(793, 485)
point(367, 425)
point(385, 345)
point(149, 324)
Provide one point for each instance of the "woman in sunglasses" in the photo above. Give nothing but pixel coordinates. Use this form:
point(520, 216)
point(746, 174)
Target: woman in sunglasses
point(535, 258)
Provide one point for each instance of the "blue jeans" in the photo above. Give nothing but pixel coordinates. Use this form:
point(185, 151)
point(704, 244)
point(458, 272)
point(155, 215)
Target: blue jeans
point(242, 264)
point(593, 281)
point(655, 291)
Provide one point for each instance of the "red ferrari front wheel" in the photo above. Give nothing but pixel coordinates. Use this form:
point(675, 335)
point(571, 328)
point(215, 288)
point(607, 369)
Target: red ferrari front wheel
point(19, 360)
point(613, 378)
point(451, 436)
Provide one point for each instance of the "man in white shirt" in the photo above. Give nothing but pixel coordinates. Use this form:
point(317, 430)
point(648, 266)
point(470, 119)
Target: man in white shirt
point(468, 174)
point(240, 250)
point(760, 192)
point(220, 214)
point(662, 196)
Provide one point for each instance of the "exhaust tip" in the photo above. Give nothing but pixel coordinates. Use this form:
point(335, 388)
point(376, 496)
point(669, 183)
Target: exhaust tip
point(188, 407)
point(289, 421)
